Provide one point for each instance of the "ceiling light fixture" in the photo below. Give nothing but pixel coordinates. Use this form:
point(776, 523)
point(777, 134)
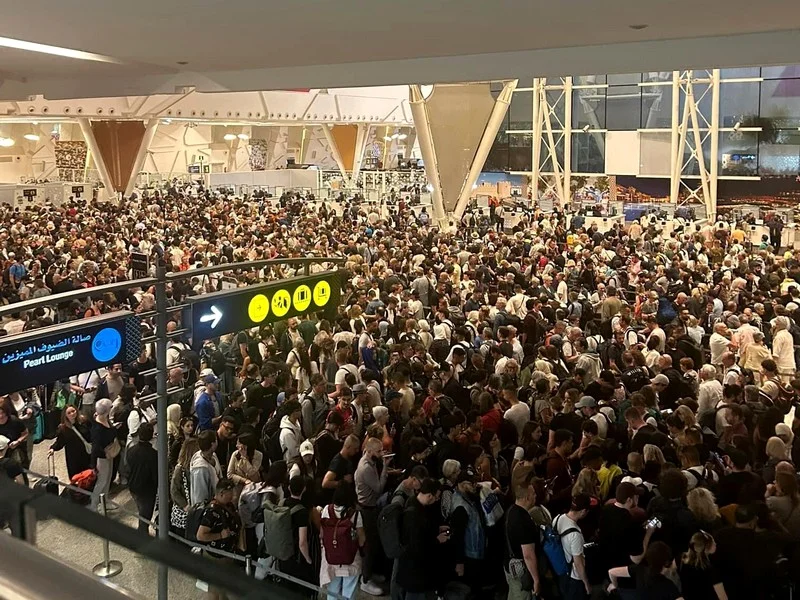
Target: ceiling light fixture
point(639, 27)
point(31, 137)
point(387, 138)
point(243, 136)
point(737, 125)
point(56, 51)
point(402, 136)
point(228, 137)
point(586, 128)
point(6, 142)
point(395, 136)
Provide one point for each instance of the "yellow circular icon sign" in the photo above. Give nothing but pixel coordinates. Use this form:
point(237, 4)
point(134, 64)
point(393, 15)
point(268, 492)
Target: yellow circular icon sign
point(301, 299)
point(322, 293)
point(281, 303)
point(258, 309)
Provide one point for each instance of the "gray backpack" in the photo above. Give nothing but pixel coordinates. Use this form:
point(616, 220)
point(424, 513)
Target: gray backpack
point(278, 532)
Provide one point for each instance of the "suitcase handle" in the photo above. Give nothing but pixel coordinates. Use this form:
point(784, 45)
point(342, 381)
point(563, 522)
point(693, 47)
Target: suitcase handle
point(51, 466)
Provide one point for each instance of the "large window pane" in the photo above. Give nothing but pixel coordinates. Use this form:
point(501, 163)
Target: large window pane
point(702, 98)
point(654, 153)
point(738, 103)
point(791, 71)
point(588, 152)
point(779, 152)
point(740, 73)
point(589, 108)
point(738, 153)
point(780, 103)
point(656, 76)
point(519, 151)
point(545, 162)
point(691, 166)
point(588, 80)
point(657, 107)
point(555, 98)
point(625, 79)
point(623, 108)
point(520, 112)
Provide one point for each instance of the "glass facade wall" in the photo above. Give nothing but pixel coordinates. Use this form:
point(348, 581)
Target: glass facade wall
point(759, 121)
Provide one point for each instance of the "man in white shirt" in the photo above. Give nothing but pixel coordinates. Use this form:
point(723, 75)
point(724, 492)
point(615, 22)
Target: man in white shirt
point(574, 583)
point(654, 331)
point(516, 304)
point(85, 385)
point(588, 407)
point(719, 343)
point(710, 391)
point(783, 349)
point(520, 413)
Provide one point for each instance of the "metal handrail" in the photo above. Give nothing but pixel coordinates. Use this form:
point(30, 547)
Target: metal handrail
point(99, 290)
point(20, 560)
point(26, 507)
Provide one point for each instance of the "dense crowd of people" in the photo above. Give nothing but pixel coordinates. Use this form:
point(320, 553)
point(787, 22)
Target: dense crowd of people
point(544, 412)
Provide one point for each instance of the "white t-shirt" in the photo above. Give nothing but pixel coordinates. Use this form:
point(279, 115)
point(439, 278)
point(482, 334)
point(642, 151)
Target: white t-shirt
point(572, 543)
point(89, 381)
point(342, 371)
point(519, 415)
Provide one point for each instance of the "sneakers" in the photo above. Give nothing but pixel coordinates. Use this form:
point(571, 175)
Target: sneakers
point(372, 589)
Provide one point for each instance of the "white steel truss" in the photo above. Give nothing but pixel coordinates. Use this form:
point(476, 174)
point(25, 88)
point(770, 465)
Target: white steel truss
point(691, 130)
point(551, 174)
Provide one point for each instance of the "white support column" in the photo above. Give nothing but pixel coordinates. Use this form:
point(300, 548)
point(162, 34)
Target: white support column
point(336, 156)
point(551, 145)
point(361, 141)
point(536, 143)
point(489, 134)
point(567, 127)
point(149, 134)
point(711, 203)
point(698, 143)
point(420, 115)
point(676, 155)
point(88, 135)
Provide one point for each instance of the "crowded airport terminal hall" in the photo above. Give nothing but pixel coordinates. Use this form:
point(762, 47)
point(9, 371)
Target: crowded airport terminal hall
point(459, 321)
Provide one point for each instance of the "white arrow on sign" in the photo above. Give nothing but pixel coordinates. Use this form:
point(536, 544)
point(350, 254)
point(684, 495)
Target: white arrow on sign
point(214, 317)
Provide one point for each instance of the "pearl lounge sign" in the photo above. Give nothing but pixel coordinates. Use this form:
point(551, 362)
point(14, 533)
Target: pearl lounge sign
point(51, 353)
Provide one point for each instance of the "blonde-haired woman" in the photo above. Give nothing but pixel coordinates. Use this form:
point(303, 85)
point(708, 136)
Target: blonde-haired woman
point(587, 482)
point(703, 505)
point(776, 452)
point(754, 354)
point(653, 453)
point(699, 580)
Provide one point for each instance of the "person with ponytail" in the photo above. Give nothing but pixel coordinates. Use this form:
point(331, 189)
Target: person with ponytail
point(653, 576)
point(700, 580)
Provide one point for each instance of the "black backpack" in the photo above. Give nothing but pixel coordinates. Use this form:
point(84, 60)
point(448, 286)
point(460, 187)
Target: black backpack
point(190, 358)
point(635, 379)
point(193, 518)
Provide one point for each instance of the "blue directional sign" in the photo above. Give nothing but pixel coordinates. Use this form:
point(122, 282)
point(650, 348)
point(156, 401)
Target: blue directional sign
point(48, 354)
point(236, 310)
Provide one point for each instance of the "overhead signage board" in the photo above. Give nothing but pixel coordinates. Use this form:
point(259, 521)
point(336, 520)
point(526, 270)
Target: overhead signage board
point(242, 308)
point(48, 354)
point(77, 190)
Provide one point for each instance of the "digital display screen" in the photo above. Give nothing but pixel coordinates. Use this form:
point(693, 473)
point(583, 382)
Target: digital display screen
point(48, 354)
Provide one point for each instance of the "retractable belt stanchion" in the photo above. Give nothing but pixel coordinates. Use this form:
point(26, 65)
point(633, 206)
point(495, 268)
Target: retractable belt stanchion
point(107, 568)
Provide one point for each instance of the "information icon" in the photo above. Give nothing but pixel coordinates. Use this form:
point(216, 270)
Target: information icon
point(281, 303)
point(322, 293)
point(301, 299)
point(258, 309)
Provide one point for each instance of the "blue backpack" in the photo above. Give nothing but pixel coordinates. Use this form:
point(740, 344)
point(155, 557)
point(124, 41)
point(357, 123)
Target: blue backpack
point(553, 549)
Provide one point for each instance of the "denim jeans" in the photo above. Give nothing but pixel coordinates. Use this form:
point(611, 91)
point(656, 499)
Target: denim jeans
point(344, 586)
